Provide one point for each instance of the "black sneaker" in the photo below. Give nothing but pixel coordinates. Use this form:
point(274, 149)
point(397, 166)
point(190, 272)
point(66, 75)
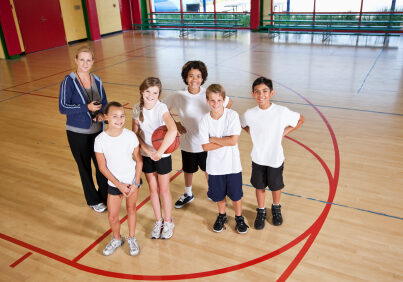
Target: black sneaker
point(183, 200)
point(219, 223)
point(260, 218)
point(276, 213)
point(241, 226)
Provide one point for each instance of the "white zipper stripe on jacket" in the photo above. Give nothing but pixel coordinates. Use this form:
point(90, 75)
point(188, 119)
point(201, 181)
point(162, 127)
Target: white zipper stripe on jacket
point(78, 89)
point(64, 104)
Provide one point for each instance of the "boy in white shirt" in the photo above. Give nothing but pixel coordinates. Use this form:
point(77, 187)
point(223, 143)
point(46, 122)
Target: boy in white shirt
point(219, 132)
point(191, 107)
point(267, 124)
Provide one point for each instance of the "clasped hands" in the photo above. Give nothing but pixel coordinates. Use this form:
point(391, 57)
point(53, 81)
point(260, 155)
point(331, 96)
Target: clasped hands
point(127, 189)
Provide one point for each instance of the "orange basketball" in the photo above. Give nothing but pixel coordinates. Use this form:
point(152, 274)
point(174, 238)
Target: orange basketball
point(158, 137)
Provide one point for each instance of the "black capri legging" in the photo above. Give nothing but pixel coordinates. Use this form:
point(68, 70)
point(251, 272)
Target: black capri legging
point(82, 148)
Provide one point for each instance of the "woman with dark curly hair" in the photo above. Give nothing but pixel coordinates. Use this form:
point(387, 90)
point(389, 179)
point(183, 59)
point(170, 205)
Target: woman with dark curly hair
point(191, 105)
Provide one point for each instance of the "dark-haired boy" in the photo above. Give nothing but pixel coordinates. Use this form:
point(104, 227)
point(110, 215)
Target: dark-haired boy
point(267, 124)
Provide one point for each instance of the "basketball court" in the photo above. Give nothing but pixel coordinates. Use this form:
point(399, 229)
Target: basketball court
point(343, 216)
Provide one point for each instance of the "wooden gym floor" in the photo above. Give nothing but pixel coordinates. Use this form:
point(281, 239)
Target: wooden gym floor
point(342, 204)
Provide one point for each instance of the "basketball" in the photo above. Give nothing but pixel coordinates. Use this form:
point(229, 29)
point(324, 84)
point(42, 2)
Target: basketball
point(158, 137)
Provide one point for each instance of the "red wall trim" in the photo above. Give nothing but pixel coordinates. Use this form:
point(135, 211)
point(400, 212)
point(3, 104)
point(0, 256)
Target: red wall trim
point(136, 11)
point(93, 19)
point(125, 14)
point(9, 28)
point(254, 14)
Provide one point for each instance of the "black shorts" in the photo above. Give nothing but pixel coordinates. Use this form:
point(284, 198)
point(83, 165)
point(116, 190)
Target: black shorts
point(163, 166)
point(192, 161)
point(115, 191)
point(266, 176)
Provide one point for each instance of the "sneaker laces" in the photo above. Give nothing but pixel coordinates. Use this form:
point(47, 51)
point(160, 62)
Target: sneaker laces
point(114, 243)
point(261, 215)
point(276, 210)
point(158, 224)
point(132, 242)
point(183, 197)
point(241, 221)
point(220, 218)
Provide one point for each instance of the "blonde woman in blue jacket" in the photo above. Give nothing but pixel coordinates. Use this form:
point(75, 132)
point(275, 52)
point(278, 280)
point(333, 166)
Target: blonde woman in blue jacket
point(82, 99)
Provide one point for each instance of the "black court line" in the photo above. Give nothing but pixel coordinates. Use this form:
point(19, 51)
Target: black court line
point(326, 106)
point(335, 204)
point(370, 70)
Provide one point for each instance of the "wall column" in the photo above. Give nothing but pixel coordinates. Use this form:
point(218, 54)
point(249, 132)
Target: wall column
point(254, 14)
point(92, 17)
point(136, 12)
point(10, 34)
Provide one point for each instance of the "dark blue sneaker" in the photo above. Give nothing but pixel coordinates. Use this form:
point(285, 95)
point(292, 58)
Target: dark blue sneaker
point(183, 200)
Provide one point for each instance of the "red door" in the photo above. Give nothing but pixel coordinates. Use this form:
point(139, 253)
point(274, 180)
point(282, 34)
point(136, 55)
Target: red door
point(125, 14)
point(41, 24)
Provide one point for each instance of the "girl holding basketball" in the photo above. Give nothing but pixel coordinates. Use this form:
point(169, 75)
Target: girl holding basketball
point(148, 115)
point(114, 149)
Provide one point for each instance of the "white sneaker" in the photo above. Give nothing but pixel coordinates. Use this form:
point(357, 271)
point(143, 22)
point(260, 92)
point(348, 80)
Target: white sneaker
point(112, 246)
point(168, 230)
point(101, 207)
point(156, 233)
point(133, 246)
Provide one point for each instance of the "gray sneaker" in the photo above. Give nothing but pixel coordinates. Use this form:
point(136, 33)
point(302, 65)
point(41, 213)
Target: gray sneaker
point(156, 233)
point(133, 246)
point(101, 207)
point(112, 246)
point(168, 230)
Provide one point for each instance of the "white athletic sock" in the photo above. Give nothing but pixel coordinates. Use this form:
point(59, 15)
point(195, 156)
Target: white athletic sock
point(262, 208)
point(276, 205)
point(189, 191)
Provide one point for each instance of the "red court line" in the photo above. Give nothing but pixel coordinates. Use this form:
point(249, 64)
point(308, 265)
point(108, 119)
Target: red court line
point(97, 241)
point(321, 219)
point(313, 228)
point(21, 259)
point(102, 237)
point(32, 94)
point(333, 181)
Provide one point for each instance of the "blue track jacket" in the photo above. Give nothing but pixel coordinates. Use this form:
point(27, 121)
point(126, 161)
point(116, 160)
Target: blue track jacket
point(73, 101)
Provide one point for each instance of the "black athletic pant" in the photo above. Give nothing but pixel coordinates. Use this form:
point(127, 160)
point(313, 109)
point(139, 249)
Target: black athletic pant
point(82, 147)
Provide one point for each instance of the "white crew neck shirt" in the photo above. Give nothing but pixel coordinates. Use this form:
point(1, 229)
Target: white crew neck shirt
point(191, 108)
point(118, 152)
point(225, 160)
point(266, 130)
point(153, 118)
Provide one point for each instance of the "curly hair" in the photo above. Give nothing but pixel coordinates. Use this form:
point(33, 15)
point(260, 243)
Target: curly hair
point(197, 65)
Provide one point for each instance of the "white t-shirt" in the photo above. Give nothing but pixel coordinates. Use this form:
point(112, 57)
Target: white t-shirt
point(118, 152)
point(152, 120)
point(225, 160)
point(191, 108)
point(266, 130)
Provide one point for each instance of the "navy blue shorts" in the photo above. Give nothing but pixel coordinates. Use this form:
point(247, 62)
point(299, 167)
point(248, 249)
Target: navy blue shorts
point(229, 185)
